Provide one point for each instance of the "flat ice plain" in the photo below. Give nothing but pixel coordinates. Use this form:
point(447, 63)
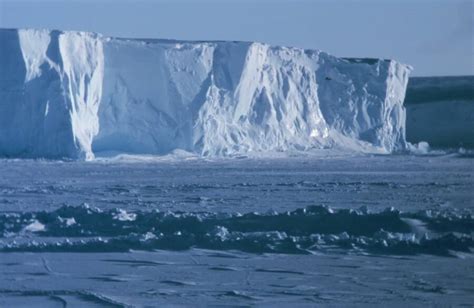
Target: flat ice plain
point(142, 231)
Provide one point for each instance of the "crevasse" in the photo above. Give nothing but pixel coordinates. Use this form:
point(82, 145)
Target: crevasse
point(76, 95)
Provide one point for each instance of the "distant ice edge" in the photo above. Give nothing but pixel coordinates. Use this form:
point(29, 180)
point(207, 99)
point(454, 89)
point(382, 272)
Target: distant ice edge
point(73, 94)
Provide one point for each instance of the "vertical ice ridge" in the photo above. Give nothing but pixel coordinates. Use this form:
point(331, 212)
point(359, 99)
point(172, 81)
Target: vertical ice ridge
point(83, 62)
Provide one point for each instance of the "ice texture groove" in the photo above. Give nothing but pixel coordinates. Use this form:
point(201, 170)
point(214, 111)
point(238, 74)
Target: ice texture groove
point(77, 94)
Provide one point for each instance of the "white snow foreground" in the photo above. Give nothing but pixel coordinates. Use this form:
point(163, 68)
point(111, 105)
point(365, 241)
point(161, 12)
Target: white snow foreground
point(73, 94)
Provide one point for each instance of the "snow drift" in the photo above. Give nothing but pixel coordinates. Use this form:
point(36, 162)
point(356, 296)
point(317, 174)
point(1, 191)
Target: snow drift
point(73, 94)
point(440, 110)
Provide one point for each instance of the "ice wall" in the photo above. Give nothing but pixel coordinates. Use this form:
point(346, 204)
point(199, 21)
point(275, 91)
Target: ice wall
point(73, 94)
point(440, 110)
point(50, 88)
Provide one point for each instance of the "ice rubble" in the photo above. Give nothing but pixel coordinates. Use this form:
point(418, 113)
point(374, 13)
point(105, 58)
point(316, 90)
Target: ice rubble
point(73, 94)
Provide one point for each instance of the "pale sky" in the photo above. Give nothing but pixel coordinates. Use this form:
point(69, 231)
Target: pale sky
point(434, 36)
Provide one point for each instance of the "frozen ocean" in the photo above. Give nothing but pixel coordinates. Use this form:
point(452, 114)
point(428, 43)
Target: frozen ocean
point(361, 230)
point(146, 172)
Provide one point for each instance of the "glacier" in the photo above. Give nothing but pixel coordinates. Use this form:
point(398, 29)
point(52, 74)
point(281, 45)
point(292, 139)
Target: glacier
point(68, 94)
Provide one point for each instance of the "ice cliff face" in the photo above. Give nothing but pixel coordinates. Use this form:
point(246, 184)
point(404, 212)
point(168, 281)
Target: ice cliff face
point(50, 90)
point(73, 94)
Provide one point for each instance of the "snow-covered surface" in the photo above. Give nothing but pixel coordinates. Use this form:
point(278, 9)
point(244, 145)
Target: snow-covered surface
point(440, 111)
point(76, 94)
